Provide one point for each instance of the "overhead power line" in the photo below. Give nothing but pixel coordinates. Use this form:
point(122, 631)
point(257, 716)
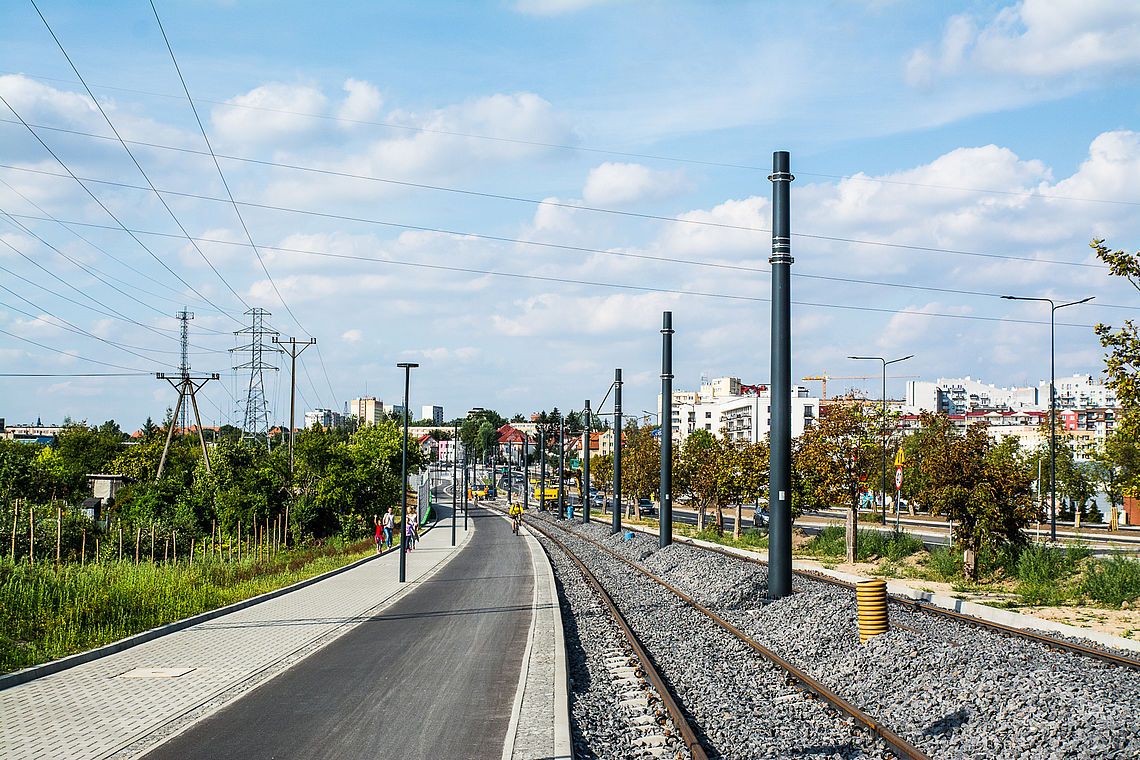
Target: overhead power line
point(589, 149)
point(130, 154)
point(503, 239)
point(71, 354)
point(536, 201)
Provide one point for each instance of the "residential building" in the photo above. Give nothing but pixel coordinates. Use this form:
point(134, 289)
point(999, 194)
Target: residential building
point(432, 412)
point(1079, 392)
point(366, 409)
point(965, 394)
point(322, 418)
point(726, 406)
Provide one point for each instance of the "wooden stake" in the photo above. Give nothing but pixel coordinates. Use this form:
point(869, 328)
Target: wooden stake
point(166, 550)
point(239, 541)
point(58, 533)
point(174, 539)
point(120, 540)
point(152, 541)
point(96, 551)
point(285, 533)
point(15, 517)
point(138, 540)
point(31, 534)
point(83, 549)
point(192, 542)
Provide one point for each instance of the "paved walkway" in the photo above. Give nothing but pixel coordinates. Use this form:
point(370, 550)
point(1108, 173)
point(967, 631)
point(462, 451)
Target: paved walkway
point(113, 707)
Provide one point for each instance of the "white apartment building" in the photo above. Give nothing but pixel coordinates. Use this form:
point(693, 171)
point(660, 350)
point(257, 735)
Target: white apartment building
point(324, 418)
point(367, 409)
point(432, 412)
point(965, 394)
point(1079, 392)
point(723, 407)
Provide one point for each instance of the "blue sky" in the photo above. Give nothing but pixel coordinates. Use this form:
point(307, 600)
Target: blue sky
point(1008, 129)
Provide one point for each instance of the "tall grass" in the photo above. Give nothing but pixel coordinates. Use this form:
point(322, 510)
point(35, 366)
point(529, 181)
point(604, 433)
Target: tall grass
point(1112, 581)
point(894, 546)
point(47, 613)
point(1045, 573)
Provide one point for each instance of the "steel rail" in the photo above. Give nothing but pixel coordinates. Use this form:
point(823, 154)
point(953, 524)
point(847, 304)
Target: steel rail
point(688, 735)
point(936, 611)
point(898, 744)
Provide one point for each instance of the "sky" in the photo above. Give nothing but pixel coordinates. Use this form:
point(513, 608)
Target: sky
point(510, 193)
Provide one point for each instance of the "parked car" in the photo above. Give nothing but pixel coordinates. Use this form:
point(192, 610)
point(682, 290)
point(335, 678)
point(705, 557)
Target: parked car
point(646, 507)
point(597, 498)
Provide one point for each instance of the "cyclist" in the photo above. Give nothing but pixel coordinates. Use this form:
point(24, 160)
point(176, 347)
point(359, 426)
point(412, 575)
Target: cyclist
point(516, 513)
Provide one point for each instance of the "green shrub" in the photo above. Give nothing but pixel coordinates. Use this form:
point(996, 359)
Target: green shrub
point(1112, 581)
point(894, 546)
point(830, 542)
point(1043, 572)
point(944, 563)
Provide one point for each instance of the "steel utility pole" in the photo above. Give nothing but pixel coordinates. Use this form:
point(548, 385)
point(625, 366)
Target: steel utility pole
point(883, 482)
point(526, 472)
point(616, 521)
point(1052, 402)
point(665, 429)
point(780, 462)
point(561, 466)
point(256, 417)
point(510, 467)
point(187, 386)
point(184, 318)
point(295, 347)
point(542, 466)
point(586, 502)
point(454, 479)
point(407, 367)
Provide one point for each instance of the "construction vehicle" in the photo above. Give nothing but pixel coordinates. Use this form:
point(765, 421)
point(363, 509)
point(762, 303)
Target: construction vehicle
point(823, 377)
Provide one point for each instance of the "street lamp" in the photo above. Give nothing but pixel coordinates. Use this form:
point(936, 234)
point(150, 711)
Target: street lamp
point(1053, 306)
point(883, 482)
point(454, 479)
point(407, 367)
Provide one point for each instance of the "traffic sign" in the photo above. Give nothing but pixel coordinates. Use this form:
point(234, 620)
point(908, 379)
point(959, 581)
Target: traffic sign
point(900, 458)
point(898, 478)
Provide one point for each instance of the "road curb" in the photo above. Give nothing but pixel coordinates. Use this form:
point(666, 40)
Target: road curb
point(18, 677)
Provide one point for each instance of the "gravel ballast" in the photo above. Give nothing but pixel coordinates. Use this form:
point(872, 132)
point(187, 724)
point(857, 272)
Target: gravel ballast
point(950, 688)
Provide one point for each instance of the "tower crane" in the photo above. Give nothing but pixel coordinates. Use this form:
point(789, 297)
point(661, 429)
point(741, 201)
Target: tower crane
point(823, 377)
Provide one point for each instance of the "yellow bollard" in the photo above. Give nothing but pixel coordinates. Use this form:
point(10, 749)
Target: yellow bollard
point(871, 599)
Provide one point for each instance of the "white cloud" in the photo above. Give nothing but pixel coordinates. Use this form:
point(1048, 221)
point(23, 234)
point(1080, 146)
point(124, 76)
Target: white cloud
point(352, 336)
point(269, 113)
point(620, 183)
point(362, 103)
point(555, 7)
point(1037, 38)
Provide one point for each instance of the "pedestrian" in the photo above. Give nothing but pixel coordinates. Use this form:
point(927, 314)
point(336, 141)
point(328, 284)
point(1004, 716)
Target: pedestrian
point(410, 531)
point(379, 533)
point(414, 521)
point(387, 522)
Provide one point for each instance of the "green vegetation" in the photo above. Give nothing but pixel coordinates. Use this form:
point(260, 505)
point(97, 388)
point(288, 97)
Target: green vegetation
point(1112, 582)
point(47, 613)
point(894, 546)
point(1045, 574)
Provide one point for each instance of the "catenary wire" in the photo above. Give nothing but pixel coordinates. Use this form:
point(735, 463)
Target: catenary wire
point(73, 355)
point(588, 149)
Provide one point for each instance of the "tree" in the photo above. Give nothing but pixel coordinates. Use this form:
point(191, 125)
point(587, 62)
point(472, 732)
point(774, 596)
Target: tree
point(1118, 468)
point(1122, 363)
point(640, 465)
point(984, 487)
point(602, 472)
point(832, 460)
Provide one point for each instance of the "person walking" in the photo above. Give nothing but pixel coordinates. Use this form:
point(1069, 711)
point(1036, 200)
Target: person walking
point(410, 535)
point(379, 533)
point(387, 522)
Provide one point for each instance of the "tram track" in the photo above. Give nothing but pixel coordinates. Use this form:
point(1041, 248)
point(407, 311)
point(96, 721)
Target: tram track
point(896, 744)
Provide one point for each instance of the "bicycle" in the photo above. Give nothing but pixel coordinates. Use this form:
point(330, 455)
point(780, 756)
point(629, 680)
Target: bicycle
point(516, 521)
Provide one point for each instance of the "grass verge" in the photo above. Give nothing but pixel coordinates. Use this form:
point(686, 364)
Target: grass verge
point(47, 613)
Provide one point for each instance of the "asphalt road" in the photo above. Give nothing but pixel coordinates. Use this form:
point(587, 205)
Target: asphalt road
point(434, 676)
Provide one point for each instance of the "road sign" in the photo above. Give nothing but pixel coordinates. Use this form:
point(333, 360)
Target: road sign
point(898, 478)
point(900, 458)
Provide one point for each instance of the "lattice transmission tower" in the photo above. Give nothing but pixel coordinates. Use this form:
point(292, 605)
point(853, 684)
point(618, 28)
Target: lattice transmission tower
point(184, 318)
point(255, 422)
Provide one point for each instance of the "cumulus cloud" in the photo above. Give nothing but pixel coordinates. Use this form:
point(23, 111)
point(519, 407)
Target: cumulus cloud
point(271, 112)
point(362, 103)
point(1034, 38)
point(620, 183)
point(352, 336)
point(555, 7)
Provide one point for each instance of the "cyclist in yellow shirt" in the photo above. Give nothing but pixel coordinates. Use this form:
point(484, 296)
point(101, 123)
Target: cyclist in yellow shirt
point(516, 513)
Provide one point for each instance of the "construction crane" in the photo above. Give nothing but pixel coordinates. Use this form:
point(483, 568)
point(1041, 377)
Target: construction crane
point(823, 377)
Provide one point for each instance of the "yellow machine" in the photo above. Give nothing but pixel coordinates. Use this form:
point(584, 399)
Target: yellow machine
point(550, 490)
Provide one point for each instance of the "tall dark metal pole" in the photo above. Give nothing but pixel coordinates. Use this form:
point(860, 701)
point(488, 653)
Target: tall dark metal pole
point(665, 429)
point(510, 465)
point(586, 503)
point(780, 474)
point(454, 479)
point(1052, 424)
point(526, 472)
point(616, 524)
point(883, 478)
point(542, 467)
point(404, 475)
point(562, 466)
